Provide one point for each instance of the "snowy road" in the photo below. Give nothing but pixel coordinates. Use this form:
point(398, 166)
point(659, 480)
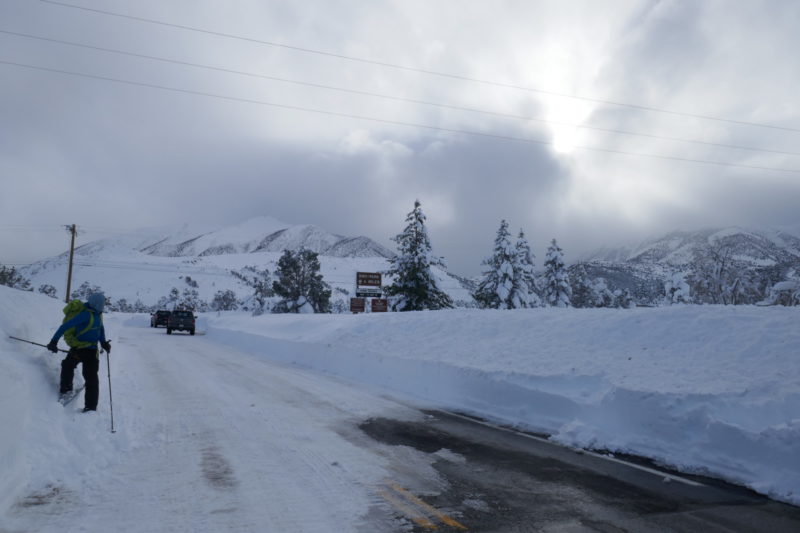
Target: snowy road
point(215, 440)
point(210, 438)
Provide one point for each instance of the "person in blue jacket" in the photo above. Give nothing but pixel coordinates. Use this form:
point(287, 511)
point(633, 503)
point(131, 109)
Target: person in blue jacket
point(89, 330)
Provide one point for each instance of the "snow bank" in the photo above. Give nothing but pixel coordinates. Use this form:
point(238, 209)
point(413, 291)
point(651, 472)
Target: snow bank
point(42, 444)
point(704, 389)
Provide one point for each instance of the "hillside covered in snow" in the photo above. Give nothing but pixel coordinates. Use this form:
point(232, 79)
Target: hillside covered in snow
point(264, 234)
point(749, 261)
point(144, 267)
point(719, 266)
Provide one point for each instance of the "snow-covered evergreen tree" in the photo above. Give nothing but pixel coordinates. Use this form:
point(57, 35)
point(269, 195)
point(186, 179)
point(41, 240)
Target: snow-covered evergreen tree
point(525, 277)
point(300, 284)
point(498, 289)
point(601, 294)
point(582, 287)
point(261, 283)
point(786, 292)
point(121, 306)
point(414, 287)
point(623, 299)
point(86, 289)
point(224, 301)
point(557, 291)
point(676, 289)
point(190, 299)
point(262, 291)
point(48, 290)
point(11, 278)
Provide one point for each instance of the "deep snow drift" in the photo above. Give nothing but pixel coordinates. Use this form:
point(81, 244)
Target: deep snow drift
point(712, 390)
point(704, 389)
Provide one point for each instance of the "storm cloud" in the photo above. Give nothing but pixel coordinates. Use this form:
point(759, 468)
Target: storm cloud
point(146, 137)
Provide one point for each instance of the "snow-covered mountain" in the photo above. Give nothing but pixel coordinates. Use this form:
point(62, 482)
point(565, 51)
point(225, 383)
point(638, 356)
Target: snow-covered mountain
point(145, 266)
point(757, 247)
point(766, 255)
point(264, 234)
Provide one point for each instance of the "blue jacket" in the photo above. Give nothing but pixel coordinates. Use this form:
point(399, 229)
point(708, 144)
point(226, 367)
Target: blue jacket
point(88, 325)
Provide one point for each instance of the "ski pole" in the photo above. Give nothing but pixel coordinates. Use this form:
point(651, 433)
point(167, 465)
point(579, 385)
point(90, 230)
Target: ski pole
point(110, 400)
point(36, 343)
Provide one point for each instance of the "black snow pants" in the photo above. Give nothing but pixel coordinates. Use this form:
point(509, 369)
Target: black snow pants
point(90, 359)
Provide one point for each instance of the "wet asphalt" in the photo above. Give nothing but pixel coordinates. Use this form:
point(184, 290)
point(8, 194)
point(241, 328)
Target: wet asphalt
point(507, 481)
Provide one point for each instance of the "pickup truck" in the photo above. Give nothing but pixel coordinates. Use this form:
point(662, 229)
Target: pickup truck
point(181, 321)
point(159, 318)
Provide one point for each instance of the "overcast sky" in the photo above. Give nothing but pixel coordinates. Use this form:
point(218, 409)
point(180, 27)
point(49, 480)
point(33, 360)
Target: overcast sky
point(112, 156)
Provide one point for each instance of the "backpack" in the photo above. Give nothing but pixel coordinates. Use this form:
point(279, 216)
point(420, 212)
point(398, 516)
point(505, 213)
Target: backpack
point(71, 310)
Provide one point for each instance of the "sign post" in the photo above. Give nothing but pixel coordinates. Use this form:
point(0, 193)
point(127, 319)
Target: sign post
point(368, 279)
point(358, 305)
point(369, 286)
point(379, 305)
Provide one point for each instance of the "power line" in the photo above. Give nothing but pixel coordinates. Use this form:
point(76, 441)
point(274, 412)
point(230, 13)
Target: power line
point(420, 70)
point(31, 228)
point(390, 97)
point(394, 122)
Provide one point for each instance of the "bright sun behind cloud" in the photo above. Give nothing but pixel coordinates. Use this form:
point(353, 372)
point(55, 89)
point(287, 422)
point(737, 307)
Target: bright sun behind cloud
point(565, 116)
point(560, 76)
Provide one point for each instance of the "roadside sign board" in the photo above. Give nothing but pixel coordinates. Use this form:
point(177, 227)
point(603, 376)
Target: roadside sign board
point(357, 305)
point(368, 279)
point(380, 305)
point(368, 293)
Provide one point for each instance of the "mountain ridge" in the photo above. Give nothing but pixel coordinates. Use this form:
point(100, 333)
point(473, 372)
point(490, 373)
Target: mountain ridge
point(146, 265)
point(259, 234)
point(757, 257)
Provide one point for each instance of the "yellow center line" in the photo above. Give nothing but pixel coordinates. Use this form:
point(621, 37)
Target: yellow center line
point(437, 513)
point(413, 514)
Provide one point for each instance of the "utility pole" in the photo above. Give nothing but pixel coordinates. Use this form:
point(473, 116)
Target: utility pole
point(73, 231)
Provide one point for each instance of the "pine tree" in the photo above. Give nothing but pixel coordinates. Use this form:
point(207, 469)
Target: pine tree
point(48, 290)
point(225, 301)
point(525, 277)
point(414, 287)
point(676, 289)
point(165, 302)
point(121, 306)
point(261, 283)
point(83, 291)
point(190, 299)
point(582, 288)
point(498, 289)
point(11, 278)
point(139, 307)
point(300, 284)
point(262, 290)
point(557, 291)
point(623, 299)
point(601, 294)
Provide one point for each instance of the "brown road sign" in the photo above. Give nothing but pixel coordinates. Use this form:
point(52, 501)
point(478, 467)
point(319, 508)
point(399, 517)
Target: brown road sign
point(380, 305)
point(357, 305)
point(368, 279)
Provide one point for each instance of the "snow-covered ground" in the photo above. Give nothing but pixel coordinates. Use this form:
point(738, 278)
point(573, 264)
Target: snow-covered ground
point(705, 389)
point(207, 439)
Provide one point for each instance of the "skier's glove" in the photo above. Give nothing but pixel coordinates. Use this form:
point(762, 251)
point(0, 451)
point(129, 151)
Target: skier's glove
point(106, 346)
point(53, 347)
